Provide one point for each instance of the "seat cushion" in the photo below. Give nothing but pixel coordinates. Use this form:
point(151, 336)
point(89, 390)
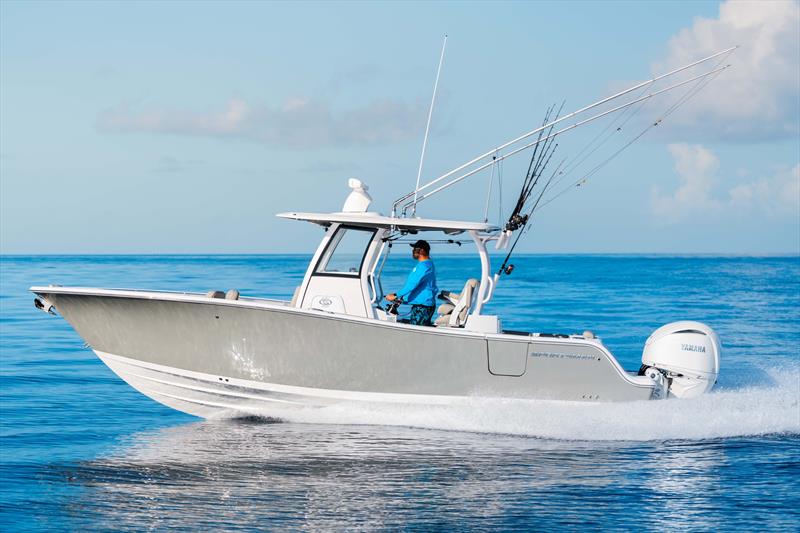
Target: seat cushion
point(442, 321)
point(446, 309)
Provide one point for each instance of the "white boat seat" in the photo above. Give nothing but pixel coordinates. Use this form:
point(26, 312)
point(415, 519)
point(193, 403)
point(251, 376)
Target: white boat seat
point(446, 309)
point(454, 314)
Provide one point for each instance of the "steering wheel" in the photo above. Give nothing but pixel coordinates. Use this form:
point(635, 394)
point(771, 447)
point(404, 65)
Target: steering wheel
point(393, 305)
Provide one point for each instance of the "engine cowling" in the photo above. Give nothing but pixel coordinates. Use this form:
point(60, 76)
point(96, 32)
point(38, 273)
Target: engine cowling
point(687, 354)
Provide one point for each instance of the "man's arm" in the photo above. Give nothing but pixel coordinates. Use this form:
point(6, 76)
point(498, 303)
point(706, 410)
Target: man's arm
point(414, 279)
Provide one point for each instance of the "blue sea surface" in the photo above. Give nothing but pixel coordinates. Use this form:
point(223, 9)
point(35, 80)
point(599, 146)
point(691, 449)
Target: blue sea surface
point(80, 449)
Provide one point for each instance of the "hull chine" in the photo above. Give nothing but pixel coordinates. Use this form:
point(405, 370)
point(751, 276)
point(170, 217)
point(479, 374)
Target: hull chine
point(210, 396)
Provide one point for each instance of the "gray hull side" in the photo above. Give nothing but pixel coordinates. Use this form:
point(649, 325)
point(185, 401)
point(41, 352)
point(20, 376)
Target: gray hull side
point(298, 348)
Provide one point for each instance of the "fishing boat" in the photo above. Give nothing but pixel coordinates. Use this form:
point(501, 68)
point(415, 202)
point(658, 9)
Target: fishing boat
point(222, 353)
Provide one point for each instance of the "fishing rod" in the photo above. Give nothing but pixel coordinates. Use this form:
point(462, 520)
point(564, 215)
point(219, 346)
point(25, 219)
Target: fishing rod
point(538, 170)
point(529, 181)
point(415, 194)
point(538, 141)
point(565, 129)
point(506, 268)
point(528, 217)
point(532, 176)
point(517, 220)
point(539, 162)
point(701, 84)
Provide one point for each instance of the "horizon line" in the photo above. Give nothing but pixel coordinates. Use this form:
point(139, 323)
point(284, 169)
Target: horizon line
point(262, 254)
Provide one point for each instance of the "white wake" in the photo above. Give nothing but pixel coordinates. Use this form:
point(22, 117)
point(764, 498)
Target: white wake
point(744, 411)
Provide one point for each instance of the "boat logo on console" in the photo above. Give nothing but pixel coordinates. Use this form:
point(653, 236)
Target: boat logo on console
point(693, 348)
point(325, 301)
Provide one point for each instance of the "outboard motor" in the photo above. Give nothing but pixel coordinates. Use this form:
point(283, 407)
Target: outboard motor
point(684, 356)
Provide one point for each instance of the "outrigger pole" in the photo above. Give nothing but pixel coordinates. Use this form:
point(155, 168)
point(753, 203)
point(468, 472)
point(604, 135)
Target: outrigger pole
point(550, 136)
point(417, 197)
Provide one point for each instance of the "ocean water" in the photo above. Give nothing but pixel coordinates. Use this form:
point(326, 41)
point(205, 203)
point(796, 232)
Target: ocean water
point(80, 449)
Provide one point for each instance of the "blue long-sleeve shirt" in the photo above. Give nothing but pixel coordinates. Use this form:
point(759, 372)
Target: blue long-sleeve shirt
point(420, 287)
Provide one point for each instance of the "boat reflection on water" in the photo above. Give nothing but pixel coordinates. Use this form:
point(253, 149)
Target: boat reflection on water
point(213, 474)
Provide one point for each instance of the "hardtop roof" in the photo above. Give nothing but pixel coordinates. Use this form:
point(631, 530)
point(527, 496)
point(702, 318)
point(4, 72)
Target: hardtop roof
point(376, 220)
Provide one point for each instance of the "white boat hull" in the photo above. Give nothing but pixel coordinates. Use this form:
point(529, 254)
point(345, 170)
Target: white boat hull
point(210, 357)
point(209, 396)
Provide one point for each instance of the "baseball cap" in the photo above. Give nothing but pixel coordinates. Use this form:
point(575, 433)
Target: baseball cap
point(423, 245)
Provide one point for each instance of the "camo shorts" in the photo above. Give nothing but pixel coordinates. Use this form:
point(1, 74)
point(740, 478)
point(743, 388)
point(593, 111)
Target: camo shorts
point(421, 315)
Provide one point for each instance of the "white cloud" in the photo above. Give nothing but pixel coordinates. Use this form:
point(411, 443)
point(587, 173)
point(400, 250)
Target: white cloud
point(696, 166)
point(777, 195)
point(298, 123)
point(756, 99)
point(696, 197)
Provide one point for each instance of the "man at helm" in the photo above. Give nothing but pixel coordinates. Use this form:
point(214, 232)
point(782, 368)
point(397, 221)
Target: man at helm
point(420, 289)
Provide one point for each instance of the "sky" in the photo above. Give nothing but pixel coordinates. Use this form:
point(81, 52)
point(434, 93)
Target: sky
point(158, 127)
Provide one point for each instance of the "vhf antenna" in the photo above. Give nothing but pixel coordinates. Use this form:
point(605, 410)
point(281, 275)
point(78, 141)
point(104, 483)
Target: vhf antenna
point(428, 126)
